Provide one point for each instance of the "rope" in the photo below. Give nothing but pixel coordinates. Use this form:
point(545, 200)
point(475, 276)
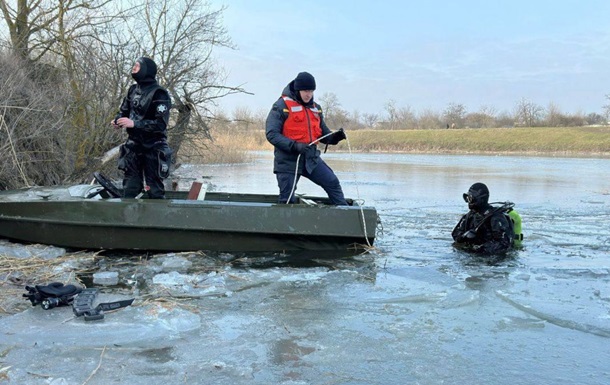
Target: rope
point(296, 170)
point(357, 200)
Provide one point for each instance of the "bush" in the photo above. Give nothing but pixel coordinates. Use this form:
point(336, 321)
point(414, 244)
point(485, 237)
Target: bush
point(31, 125)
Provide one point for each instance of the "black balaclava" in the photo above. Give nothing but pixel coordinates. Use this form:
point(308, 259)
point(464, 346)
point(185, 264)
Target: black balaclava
point(147, 72)
point(477, 197)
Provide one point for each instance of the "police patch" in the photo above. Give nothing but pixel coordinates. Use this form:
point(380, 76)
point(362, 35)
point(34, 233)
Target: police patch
point(161, 108)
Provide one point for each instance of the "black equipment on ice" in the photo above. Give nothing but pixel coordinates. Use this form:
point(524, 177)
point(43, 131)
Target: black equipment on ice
point(83, 305)
point(52, 295)
point(56, 294)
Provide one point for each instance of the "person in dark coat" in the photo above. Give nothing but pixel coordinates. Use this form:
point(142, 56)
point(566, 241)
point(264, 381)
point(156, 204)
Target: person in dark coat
point(485, 229)
point(295, 125)
point(144, 113)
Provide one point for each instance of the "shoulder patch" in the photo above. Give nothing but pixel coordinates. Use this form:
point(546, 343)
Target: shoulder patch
point(161, 108)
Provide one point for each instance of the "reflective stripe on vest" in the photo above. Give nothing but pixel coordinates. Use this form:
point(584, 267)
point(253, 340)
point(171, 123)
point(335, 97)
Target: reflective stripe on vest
point(302, 123)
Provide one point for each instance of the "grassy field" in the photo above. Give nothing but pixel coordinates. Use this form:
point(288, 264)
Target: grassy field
point(568, 141)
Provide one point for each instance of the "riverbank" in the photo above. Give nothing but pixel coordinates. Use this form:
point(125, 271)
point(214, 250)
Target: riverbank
point(552, 141)
point(537, 141)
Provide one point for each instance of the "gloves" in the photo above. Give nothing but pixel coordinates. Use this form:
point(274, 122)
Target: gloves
point(468, 236)
point(336, 137)
point(299, 147)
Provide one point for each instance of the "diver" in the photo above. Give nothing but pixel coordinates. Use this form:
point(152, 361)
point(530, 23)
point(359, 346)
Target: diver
point(144, 114)
point(487, 229)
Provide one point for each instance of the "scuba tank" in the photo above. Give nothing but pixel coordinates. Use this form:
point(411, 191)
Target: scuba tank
point(516, 219)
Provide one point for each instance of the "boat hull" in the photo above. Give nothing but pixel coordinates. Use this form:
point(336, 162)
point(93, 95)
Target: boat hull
point(240, 224)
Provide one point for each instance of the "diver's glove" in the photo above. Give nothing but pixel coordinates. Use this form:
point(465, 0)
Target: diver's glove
point(467, 236)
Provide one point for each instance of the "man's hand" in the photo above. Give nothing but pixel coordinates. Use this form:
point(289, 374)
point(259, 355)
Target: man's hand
point(299, 147)
point(122, 123)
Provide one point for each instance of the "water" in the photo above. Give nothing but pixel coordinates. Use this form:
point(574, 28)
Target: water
point(415, 311)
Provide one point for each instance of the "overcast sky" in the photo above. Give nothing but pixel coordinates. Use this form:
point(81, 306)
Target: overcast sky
point(423, 54)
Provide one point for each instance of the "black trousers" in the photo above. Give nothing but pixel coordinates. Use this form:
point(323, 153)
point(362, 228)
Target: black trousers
point(322, 175)
point(142, 164)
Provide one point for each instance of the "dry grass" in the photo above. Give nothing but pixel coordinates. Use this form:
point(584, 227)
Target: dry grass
point(592, 140)
point(538, 140)
point(232, 146)
point(16, 273)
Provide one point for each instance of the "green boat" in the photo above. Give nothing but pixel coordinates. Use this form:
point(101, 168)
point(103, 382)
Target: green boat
point(92, 217)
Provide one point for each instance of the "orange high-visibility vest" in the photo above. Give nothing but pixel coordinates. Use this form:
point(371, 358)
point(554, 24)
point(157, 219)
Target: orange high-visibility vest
point(303, 123)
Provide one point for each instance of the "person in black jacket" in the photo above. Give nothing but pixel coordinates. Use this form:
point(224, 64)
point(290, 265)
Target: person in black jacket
point(294, 126)
point(485, 229)
point(144, 113)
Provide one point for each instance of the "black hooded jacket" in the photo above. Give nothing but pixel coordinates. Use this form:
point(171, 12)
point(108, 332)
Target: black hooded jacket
point(148, 105)
point(285, 153)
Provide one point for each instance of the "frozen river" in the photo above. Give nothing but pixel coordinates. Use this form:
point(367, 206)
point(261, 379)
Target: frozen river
point(415, 311)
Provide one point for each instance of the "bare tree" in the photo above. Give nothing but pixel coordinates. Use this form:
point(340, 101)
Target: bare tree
point(243, 117)
point(24, 20)
point(454, 115)
point(484, 118)
point(36, 27)
point(527, 113)
point(355, 120)
point(370, 120)
point(429, 119)
point(505, 119)
point(181, 36)
point(595, 118)
point(334, 115)
point(554, 117)
point(63, 43)
point(606, 110)
point(85, 53)
point(260, 119)
point(489, 113)
point(399, 117)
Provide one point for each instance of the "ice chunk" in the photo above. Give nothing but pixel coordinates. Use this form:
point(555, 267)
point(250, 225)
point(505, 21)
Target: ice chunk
point(58, 326)
point(179, 264)
point(107, 278)
point(17, 250)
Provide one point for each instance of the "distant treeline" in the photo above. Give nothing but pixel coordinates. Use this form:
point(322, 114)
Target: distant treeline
point(524, 114)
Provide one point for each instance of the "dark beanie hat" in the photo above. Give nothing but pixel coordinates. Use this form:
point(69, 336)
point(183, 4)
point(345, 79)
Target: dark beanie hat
point(304, 81)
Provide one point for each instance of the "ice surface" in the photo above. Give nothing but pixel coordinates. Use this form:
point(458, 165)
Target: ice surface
point(59, 327)
point(17, 250)
point(415, 312)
